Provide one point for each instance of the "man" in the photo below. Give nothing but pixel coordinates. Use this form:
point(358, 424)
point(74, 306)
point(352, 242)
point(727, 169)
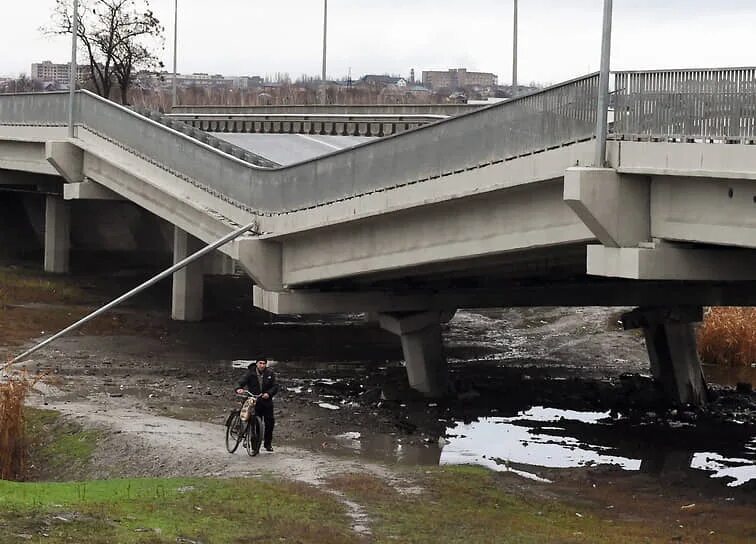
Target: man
point(260, 380)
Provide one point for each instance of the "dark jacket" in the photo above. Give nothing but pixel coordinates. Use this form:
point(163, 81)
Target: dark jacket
point(251, 383)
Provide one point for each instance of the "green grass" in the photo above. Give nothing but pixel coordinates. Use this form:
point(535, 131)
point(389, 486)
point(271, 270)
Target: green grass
point(57, 448)
point(28, 286)
point(164, 510)
point(470, 504)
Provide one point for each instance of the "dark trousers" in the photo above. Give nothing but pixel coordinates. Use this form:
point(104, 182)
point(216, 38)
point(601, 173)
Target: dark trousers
point(265, 410)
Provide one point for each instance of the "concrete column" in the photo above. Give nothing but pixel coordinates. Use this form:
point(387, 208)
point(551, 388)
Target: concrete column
point(423, 350)
point(671, 343)
point(186, 303)
point(57, 234)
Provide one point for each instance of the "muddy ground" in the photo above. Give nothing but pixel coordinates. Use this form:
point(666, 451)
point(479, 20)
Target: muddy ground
point(160, 391)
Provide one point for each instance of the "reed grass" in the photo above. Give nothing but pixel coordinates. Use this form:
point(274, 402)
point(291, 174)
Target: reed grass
point(728, 336)
point(13, 391)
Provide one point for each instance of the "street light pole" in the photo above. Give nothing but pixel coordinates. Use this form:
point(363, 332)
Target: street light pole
point(602, 112)
point(73, 69)
point(325, 37)
point(514, 51)
point(175, 52)
point(324, 99)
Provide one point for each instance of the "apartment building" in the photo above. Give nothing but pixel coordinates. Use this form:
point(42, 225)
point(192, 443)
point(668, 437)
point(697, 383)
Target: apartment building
point(458, 78)
point(58, 73)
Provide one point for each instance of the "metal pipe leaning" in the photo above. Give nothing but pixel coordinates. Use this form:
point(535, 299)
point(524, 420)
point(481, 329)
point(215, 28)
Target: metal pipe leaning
point(176, 267)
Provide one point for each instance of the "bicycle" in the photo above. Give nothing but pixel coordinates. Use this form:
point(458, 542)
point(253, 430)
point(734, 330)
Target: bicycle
point(244, 425)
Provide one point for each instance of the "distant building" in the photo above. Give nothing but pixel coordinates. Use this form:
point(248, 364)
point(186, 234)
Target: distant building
point(457, 78)
point(247, 82)
point(58, 73)
point(197, 79)
point(375, 80)
point(202, 79)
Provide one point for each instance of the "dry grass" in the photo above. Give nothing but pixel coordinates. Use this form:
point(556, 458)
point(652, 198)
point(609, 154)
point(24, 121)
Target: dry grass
point(13, 391)
point(728, 336)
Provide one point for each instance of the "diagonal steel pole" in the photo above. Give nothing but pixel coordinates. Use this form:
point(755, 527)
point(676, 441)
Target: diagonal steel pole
point(176, 267)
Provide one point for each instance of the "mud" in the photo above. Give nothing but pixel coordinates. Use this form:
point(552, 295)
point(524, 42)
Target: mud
point(553, 395)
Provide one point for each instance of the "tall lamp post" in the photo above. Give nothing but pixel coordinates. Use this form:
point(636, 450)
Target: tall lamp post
point(325, 46)
point(325, 37)
point(73, 69)
point(514, 51)
point(175, 52)
point(603, 90)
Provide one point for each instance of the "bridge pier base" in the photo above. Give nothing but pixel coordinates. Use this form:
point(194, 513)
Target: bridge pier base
point(187, 293)
point(423, 350)
point(57, 234)
point(671, 343)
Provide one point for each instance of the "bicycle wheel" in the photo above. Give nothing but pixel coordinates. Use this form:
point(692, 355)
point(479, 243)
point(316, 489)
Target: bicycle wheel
point(234, 431)
point(255, 429)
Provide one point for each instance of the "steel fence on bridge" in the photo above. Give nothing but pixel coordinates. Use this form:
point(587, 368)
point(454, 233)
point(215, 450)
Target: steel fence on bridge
point(699, 104)
point(709, 105)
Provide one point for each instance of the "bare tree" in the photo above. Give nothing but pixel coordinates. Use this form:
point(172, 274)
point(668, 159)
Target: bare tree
point(118, 37)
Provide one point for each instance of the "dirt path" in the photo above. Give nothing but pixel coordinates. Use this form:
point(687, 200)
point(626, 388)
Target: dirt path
point(140, 444)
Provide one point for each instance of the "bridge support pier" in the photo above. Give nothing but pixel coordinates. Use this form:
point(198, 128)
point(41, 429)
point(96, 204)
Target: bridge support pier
point(423, 350)
point(57, 234)
point(671, 344)
point(187, 294)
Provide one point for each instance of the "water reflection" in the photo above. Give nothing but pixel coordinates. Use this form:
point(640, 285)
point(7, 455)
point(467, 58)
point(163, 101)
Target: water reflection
point(522, 444)
point(730, 375)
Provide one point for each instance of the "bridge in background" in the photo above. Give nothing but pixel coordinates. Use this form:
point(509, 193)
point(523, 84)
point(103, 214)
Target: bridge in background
point(499, 206)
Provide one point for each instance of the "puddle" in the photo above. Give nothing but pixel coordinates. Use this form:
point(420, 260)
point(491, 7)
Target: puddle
point(509, 444)
point(730, 375)
point(498, 443)
point(738, 471)
point(550, 438)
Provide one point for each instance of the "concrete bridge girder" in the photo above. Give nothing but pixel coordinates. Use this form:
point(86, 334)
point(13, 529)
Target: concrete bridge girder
point(701, 193)
point(665, 261)
point(477, 226)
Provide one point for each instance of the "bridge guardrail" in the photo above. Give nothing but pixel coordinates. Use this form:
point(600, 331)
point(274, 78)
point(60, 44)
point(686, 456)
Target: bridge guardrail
point(698, 104)
point(377, 125)
point(332, 109)
point(198, 134)
point(553, 117)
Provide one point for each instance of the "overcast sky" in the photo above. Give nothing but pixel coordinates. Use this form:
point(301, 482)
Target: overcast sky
point(559, 39)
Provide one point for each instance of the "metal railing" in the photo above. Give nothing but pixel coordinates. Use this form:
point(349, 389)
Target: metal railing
point(328, 124)
point(700, 104)
point(199, 134)
point(335, 109)
point(553, 117)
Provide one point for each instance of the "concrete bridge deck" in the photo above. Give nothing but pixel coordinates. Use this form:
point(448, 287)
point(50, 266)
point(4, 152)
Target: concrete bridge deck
point(486, 208)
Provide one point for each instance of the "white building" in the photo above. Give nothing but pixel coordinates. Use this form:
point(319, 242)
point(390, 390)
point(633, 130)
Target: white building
point(57, 73)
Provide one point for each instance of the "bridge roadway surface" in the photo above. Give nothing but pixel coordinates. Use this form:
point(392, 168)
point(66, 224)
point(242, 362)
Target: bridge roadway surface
point(288, 149)
point(500, 206)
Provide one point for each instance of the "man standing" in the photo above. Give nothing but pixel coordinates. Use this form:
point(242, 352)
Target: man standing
point(260, 380)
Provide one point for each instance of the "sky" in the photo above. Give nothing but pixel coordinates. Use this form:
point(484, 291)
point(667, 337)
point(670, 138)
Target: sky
point(558, 39)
